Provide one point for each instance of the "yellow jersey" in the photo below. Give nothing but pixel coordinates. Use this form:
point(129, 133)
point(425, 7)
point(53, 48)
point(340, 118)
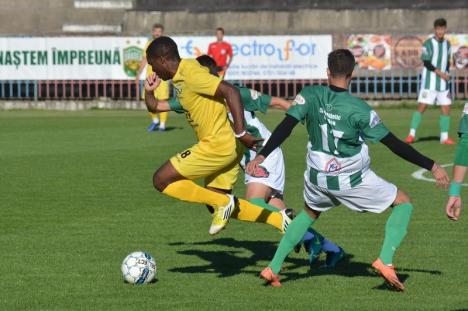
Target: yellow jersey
point(195, 89)
point(162, 91)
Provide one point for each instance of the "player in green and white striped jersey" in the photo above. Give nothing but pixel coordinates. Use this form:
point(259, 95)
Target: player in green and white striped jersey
point(435, 82)
point(338, 164)
point(460, 164)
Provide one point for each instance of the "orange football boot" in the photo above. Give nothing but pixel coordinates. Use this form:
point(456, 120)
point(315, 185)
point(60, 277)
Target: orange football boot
point(388, 273)
point(410, 139)
point(448, 141)
point(270, 277)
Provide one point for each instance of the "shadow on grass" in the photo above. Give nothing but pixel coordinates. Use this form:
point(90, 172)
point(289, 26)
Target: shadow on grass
point(168, 128)
point(231, 262)
point(427, 138)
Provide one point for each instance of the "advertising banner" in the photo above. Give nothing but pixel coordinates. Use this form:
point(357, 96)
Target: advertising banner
point(117, 58)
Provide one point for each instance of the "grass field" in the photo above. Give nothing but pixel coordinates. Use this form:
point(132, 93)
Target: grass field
point(76, 197)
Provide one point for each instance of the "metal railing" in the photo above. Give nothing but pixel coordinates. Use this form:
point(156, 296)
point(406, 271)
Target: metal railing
point(391, 84)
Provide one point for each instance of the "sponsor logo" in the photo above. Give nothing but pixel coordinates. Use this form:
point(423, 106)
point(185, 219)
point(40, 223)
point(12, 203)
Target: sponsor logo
point(299, 100)
point(374, 119)
point(332, 166)
point(132, 57)
point(255, 48)
point(329, 115)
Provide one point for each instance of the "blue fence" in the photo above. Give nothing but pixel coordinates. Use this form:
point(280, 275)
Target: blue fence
point(392, 84)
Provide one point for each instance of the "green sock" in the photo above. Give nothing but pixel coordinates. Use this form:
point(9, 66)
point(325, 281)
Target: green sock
point(293, 235)
point(416, 120)
point(265, 205)
point(395, 231)
point(444, 123)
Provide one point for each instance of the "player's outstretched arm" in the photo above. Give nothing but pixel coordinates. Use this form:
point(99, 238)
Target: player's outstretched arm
point(233, 100)
point(409, 154)
point(280, 103)
point(279, 135)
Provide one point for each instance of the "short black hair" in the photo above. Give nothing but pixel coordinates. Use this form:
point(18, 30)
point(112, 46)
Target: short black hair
point(208, 62)
point(163, 47)
point(440, 22)
point(341, 62)
point(220, 29)
point(157, 25)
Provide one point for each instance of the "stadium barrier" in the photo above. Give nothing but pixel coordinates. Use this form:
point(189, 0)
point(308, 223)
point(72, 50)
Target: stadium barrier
point(367, 84)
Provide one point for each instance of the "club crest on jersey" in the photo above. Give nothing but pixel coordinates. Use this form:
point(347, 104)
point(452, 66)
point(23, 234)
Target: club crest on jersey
point(299, 100)
point(374, 119)
point(332, 166)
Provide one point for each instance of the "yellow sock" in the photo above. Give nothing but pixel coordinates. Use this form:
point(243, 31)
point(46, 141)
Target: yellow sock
point(153, 116)
point(163, 116)
point(253, 213)
point(187, 190)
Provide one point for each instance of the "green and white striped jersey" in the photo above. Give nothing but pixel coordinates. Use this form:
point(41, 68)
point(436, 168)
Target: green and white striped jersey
point(254, 101)
point(337, 124)
point(463, 128)
point(438, 53)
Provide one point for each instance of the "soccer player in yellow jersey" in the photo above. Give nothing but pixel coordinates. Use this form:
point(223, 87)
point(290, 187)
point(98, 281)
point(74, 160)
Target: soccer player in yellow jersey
point(162, 91)
point(216, 156)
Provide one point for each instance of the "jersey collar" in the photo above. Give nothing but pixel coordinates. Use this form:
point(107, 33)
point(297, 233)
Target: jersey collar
point(337, 89)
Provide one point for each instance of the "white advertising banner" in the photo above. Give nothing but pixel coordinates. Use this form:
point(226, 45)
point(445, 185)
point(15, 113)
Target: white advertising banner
point(118, 58)
point(268, 57)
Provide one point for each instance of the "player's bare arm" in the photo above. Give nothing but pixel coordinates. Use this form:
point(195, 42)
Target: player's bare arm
point(233, 100)
point(151, 83)
point(280, 103)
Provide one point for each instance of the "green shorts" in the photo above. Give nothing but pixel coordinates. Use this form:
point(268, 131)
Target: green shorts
point(461, 155)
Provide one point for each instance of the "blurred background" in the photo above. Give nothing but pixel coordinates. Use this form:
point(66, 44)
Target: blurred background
point(73, 54)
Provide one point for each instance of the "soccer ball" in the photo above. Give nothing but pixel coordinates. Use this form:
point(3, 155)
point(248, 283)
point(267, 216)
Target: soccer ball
point(138, 268)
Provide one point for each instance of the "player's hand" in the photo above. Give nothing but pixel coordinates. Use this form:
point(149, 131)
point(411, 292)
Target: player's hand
point(253, 166)
point(152, 82)
point(250, 141)
point(440, 175)
point(453, 208)
point(446, 76)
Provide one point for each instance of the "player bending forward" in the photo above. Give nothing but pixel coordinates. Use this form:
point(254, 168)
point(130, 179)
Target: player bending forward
point(266, 187)
point(216, 156)
point(338, 163)
point(454, 203)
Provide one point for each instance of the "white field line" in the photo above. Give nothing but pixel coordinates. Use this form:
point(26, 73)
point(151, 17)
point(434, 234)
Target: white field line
point(419, 174)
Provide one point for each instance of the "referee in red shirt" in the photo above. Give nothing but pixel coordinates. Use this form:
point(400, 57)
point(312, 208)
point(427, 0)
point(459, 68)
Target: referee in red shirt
point(221, 52)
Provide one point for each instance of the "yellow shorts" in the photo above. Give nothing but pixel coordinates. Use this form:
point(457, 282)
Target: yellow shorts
point(219, 166)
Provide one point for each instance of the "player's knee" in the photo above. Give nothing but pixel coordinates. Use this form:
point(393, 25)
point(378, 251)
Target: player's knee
point(314, 214)
point(158, 182)
point(401, 198)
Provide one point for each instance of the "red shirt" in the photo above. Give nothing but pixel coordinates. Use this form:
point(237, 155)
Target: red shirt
point(219, 52)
